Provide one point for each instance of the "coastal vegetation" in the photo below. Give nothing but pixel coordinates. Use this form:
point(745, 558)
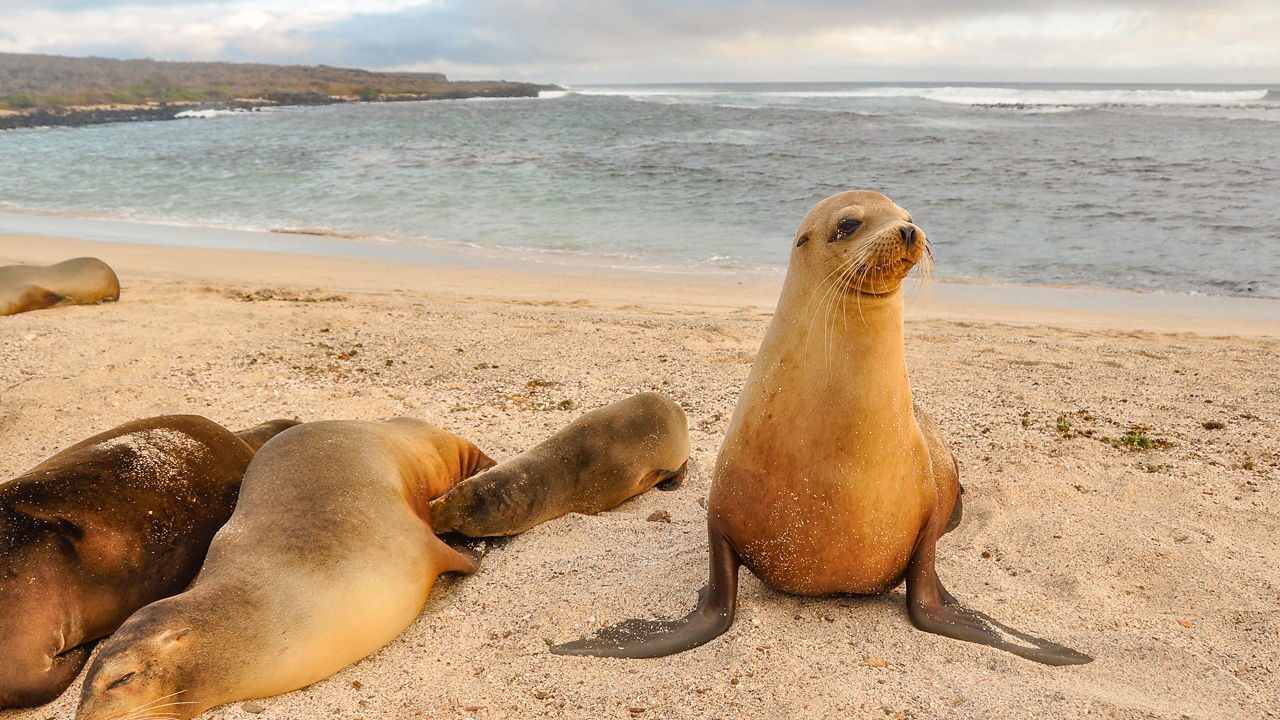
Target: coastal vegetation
point(49, 86)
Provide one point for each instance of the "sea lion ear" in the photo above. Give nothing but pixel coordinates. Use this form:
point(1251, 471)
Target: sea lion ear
point(176, 635)
point(804, 238)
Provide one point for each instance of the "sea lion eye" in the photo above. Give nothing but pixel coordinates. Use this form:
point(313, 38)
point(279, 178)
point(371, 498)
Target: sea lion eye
point(121, 681)
point(847, 226)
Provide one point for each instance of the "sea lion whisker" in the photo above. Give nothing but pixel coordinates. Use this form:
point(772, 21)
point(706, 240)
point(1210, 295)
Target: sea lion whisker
point(173, 704)
point(849, 279)
point(144, 707)
point(153, 709)
point(856, 277)
point(828, 288)
point(866, 270)
point(838, 289)
point(924, 272)
point(815, 307)
point(822, 284)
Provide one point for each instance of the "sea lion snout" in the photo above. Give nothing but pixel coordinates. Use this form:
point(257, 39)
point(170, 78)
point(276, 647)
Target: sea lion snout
point(908, 234)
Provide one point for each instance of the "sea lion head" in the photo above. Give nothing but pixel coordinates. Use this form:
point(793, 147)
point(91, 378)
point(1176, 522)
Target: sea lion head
point(861, 239)
point(143, 671)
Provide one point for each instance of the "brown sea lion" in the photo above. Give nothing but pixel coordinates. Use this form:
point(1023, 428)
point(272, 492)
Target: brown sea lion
point(82, 281)
point(830, 479)
point(101, 529)
point(595, 463)
point(328, 557)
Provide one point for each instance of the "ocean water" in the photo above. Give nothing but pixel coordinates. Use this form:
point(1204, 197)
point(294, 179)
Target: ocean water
point(1171, 188)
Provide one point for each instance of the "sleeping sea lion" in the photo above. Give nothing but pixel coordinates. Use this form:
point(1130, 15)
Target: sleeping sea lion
point(82, 281)
point(595, 463)
point(101, 529)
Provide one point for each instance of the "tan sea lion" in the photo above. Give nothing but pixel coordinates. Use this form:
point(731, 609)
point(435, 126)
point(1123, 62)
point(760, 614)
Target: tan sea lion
point(328, 557)
point(82, 281)
point(101, 529)
point(830, 479)
point(595, 463)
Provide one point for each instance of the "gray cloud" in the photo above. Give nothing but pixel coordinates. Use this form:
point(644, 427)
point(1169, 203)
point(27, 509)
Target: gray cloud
point(714, 39)
point(588, 38)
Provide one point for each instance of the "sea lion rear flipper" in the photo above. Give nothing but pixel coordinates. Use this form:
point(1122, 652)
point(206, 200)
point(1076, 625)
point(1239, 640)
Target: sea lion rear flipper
point(673, 480)
point(34, 298)
point(933, 609)
point(636, 638)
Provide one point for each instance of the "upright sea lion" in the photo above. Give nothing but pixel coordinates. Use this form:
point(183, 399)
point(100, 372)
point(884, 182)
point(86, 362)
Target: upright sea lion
point(830, 479)
point(82, 281)
point(99, 530)
point(595, 463)
point(328, 557)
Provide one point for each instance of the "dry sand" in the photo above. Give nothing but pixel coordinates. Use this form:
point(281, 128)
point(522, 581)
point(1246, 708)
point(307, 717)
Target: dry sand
point(1161, 563)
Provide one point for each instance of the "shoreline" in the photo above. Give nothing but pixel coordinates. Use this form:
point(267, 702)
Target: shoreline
point(303, 261)
point(328, 242)
point(84, 116)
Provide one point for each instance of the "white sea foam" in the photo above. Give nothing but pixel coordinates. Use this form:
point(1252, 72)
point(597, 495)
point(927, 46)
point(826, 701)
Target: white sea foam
point(210, 113)
point(956, 95)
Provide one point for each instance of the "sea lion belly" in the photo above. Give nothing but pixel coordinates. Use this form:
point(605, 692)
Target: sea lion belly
point(835, 504)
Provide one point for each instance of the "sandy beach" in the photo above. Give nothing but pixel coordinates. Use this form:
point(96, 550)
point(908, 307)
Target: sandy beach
point(1159, 562)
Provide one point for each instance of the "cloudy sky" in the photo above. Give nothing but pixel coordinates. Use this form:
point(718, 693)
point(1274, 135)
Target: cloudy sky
point(584, 41)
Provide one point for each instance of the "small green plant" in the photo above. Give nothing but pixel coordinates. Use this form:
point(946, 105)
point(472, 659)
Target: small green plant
point(1064, 427)
point(19, 102)
point(1136, 439)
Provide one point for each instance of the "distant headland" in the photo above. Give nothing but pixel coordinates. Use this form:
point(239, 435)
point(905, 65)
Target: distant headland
point(45, 90)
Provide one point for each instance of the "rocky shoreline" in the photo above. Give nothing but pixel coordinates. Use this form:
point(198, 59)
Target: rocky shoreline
point(99, 115)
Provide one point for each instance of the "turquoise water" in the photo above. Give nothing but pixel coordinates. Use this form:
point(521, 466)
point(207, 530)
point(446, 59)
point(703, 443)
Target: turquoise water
point(1162, 187)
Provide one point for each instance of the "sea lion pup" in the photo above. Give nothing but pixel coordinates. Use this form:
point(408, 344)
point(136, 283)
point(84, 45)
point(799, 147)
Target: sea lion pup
point(102, 528)
point(596, 462)
point(328, 557)
point(830, 479)
point(82, 281)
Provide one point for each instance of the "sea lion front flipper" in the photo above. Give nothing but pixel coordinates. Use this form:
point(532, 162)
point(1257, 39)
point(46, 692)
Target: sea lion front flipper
point(637, 638)
point(462, 560)
point(934, 610)
point(37, 687)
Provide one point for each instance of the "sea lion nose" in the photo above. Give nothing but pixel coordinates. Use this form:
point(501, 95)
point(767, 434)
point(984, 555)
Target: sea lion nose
point(908, 233)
